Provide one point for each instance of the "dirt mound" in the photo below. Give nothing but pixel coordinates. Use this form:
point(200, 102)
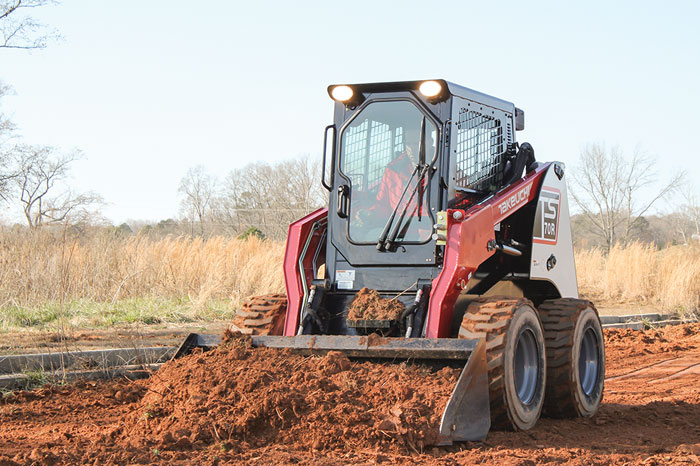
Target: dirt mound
point(368, 305)
point(238, 398)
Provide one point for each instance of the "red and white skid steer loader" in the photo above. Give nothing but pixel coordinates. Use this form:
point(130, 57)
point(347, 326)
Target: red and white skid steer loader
point(434, 204)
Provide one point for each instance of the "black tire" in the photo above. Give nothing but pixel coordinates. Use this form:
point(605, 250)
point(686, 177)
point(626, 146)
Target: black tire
point(515, 354)
point(575, 357)
point(261, 315)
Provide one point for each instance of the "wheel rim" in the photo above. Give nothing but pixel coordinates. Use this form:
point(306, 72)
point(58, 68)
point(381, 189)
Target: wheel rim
point(527, 368)
point(588, 364)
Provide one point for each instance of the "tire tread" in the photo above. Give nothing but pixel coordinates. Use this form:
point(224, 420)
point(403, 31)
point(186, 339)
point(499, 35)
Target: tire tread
point(491, 318)
point(261, 315)
point(559, 318)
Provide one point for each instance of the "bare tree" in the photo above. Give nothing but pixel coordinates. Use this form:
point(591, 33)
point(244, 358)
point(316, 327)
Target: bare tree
point(304, 183)
point(687, 218)
point(41, 174)
point(6, 125)
point(608, 189)
point(6, 133)
point(18, 29)
point(198, 188)
point(269, 196)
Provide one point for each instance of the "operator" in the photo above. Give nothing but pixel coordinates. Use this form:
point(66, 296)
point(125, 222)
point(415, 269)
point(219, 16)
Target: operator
point(394, 180)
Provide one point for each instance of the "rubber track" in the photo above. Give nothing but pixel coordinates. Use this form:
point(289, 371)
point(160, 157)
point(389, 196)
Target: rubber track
point(490, 318)
point(559, 317)
point(261, 315)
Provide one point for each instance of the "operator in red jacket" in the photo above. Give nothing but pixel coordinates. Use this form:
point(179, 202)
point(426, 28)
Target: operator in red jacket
point(396, 176)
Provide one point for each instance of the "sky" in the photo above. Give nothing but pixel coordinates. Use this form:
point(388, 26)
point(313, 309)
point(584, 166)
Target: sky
point(147, 90)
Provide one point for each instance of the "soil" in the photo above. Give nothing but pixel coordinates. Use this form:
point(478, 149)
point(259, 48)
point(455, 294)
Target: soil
point(238, 405)
point(368, 305)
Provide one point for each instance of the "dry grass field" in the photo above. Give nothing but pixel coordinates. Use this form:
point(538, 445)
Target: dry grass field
point(101, 279)
point(638, 273)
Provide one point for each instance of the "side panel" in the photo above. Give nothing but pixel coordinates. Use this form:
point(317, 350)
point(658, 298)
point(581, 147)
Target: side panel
point(552, 249)
point(297, 241)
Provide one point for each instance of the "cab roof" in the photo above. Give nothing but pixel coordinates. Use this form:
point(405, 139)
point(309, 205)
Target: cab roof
point(453, 89)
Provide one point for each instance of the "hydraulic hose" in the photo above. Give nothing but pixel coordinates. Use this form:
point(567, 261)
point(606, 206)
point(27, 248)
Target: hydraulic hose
point(409, 313)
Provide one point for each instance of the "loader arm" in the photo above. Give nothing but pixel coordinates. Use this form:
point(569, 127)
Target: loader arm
point(468, 235)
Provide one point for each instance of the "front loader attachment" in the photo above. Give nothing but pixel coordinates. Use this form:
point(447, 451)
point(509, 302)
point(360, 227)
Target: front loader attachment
point(466, 416)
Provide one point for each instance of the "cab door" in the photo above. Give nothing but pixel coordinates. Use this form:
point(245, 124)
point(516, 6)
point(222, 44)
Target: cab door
point(386, 163)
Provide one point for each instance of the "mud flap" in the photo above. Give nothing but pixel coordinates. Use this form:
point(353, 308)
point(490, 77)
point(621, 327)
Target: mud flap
point(466, 416)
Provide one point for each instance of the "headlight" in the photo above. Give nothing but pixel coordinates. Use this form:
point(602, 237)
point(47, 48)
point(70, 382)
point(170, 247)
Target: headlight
point(430, 88)
point(342, 93)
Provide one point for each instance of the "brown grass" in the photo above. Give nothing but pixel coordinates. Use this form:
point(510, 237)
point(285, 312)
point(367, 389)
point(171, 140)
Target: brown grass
point(638, 273)
point(105, 268)
point(103, 279)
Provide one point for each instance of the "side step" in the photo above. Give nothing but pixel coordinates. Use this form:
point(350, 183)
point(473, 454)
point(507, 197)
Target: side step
point(466, 416)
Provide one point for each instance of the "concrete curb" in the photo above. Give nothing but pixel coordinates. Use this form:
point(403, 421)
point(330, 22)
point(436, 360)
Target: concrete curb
point(604, 319)
point(19, 381)
point(84, 360)
point(647, 324)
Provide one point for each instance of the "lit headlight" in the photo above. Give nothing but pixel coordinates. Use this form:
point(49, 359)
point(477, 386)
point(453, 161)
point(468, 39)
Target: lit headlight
point(342, 93)
point(430, 88)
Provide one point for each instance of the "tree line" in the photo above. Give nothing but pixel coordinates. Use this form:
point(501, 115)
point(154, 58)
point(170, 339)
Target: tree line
point(259, 198)
point(616, 200)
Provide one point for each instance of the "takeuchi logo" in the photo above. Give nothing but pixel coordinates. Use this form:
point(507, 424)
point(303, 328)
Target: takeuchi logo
point(516, 199)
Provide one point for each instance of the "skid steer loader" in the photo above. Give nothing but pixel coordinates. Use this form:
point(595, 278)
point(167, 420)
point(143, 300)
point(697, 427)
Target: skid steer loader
point(433, 203)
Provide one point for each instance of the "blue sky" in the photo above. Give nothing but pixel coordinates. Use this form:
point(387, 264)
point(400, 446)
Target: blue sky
point(148, 89)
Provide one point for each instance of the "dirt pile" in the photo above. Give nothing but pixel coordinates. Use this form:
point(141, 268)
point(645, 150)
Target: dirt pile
point(240, 397)
point(368, 305)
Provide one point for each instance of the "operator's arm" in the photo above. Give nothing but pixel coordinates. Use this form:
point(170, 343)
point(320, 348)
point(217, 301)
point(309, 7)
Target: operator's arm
point(382, 206)
point(389, 193)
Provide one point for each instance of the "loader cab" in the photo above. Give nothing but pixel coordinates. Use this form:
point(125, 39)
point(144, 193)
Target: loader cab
point(399, 154)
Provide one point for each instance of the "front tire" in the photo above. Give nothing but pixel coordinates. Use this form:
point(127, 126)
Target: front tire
point(575, 358)
point(261, 315)
point(515, 353)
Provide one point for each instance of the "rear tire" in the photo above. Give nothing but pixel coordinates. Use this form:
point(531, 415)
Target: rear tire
point(575, 358)
point(515, 354)
point(261, 315)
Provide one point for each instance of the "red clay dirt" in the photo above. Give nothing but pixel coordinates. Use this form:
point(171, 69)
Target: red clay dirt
point(369, 305)
point(237, 405)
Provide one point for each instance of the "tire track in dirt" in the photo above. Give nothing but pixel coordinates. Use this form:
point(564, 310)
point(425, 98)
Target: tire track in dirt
point(662, 370)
